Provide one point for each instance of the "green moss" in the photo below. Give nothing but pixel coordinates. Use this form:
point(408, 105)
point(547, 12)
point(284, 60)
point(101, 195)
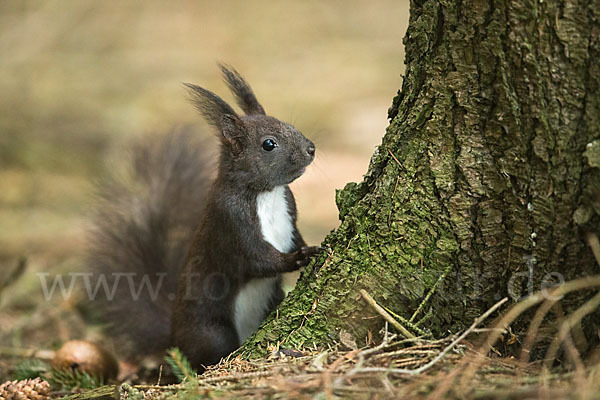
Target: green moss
point(592, 153)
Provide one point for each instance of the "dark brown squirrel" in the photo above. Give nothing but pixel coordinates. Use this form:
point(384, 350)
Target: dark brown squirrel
point(227, 240)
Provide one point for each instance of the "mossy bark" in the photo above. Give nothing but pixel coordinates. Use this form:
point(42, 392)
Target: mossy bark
point(485, 183)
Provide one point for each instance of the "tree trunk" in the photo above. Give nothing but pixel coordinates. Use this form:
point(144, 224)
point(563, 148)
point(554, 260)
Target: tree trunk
point(486, 182)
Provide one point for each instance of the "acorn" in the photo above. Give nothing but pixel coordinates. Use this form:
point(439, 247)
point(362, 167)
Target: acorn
point(88, 357)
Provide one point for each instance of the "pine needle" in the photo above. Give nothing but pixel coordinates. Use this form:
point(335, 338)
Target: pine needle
point(65, 379)
point(30, 368)
point(180, 365)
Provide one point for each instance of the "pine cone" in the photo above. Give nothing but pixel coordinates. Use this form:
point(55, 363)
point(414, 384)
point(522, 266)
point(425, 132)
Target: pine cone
point(29, 389)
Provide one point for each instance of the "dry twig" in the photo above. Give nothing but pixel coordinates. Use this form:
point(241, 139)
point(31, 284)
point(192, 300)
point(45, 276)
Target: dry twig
point(441, 355)
point(385, 314)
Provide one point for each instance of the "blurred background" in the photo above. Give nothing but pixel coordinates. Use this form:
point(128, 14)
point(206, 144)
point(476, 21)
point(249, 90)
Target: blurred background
point(80, 79)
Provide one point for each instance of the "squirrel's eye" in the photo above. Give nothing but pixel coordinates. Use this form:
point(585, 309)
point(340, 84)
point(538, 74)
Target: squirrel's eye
point(269, 145)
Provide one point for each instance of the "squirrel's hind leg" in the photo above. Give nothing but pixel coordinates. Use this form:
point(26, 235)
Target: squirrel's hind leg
point(206, 344)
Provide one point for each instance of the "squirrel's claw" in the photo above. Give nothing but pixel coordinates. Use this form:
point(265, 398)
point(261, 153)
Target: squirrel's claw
point(306, 253)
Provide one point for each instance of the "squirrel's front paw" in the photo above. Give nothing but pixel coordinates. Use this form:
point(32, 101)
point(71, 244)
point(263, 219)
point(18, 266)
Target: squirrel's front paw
point(306, 253)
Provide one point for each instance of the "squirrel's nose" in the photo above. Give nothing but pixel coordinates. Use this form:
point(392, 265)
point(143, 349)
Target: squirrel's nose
point(311, 150)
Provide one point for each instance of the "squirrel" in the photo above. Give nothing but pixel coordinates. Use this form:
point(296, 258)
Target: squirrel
point(216, 246)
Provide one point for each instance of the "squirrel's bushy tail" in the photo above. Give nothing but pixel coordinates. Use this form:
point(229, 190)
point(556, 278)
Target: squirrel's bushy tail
point(140, 237)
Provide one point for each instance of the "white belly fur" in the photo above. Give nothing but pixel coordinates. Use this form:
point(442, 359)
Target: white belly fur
point(252, 301)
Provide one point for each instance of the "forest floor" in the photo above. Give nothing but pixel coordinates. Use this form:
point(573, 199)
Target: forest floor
point(393, 369)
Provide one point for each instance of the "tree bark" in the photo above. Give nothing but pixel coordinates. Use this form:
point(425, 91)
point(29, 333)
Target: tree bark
point(485, 185)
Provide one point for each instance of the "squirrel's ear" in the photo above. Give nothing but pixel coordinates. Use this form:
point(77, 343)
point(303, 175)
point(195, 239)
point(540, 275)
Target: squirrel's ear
point(232, 131)
point(242, 91)
point(211, 106)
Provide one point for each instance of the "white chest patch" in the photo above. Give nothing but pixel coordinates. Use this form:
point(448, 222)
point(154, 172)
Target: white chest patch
point(252, 302)
point(275, 219)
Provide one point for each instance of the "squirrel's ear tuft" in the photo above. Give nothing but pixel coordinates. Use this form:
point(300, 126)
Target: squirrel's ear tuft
point(242, 91)
point(211, 106)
